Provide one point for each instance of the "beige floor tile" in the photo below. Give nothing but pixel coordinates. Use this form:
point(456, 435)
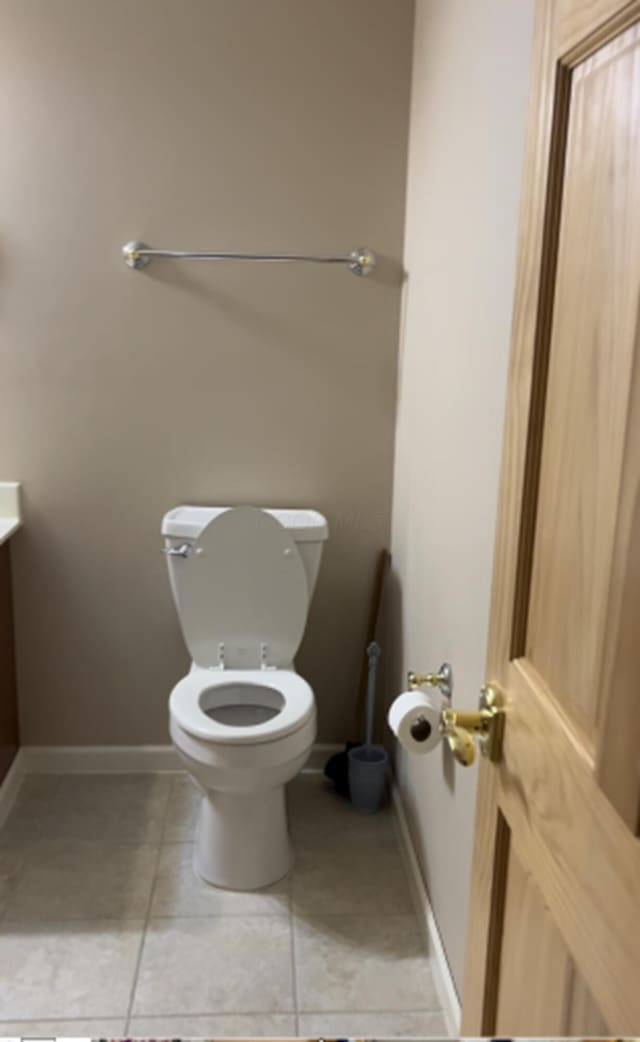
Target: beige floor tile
point(356, 882)
point(62, 1028)
point(110, 808)
point(83, 881)
point(214, 963)
point(362, 964)
point(221, 964)
point(33, 810)
point(179, 892)
point(56, 971)
point(261, 1025)
point(182, 815)
point(376, 1025)
point(318, 815)
point(103, 808)
point(10, 867)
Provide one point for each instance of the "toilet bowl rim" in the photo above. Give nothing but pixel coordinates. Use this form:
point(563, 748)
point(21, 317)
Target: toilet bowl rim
point(185, 709)
point(258, 759)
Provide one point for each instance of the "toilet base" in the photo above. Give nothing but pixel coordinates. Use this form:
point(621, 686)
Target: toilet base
point(242, 841)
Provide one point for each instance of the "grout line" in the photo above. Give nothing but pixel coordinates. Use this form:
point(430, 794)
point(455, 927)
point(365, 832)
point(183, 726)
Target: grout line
point(262, 1013)
point(431, 1011)
point(175, 1016)
point(364, 1013)
point(80, 921)
point(60, 1020)
point(221, 1013)
point(147, 918)
point(226, 1013)
point(230, 1013)
point(269, 917)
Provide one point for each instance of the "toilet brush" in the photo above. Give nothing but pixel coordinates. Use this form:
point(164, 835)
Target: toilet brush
point(373, 654)
point(337, 766)
point(368, 762)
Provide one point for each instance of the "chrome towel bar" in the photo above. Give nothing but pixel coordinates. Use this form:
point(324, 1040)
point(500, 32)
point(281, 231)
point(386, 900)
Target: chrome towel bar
point(360, 261)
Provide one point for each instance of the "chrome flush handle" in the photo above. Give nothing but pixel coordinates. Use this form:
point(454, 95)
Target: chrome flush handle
point(184, 550)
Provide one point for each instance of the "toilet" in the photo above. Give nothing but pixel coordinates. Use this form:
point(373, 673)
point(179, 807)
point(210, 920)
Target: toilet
point(242, 720)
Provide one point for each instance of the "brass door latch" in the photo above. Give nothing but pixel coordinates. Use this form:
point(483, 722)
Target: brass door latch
point(460, 727)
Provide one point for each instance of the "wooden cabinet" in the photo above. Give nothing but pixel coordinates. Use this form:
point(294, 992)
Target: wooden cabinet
point(9, 735)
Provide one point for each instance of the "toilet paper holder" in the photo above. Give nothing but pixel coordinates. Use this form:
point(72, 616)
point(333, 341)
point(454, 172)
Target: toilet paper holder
point(460, 727)
point(443, 679)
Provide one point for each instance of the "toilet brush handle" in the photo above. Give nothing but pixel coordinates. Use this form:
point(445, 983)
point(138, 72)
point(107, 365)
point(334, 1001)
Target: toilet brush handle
point(373, 653)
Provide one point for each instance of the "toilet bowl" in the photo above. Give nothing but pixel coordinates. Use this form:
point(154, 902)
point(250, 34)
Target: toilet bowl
point(242, 720)
point(242, 738)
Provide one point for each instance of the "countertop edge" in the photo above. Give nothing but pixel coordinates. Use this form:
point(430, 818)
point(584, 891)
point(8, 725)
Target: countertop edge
point(10, 514)
point(8, 525)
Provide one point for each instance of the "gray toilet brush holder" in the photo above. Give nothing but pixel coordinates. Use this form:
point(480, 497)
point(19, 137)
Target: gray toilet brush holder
point(368, 763)
point(367, 777)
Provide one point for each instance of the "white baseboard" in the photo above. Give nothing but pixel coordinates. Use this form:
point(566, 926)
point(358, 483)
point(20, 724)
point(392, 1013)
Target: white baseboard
point(108, 759)
point(124, 759)
point(319, 756)
point(10, 785)
point(442, 974)
point(99, 759)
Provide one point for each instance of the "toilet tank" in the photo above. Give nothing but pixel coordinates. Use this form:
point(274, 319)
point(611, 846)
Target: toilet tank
point(308, 528)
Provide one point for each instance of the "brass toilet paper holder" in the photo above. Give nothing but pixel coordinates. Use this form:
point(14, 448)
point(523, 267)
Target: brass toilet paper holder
point(460, 727)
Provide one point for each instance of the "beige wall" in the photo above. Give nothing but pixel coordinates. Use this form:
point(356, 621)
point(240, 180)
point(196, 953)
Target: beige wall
point(230, 124)
point(471, 63)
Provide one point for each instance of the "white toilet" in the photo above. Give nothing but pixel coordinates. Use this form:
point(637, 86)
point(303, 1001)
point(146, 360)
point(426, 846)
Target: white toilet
point(242, 720)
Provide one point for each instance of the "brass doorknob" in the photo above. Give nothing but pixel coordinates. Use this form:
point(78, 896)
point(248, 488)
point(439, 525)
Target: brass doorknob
point(486, 723)
point(461, 744)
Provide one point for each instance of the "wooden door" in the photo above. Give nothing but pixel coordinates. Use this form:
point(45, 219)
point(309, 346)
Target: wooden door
point(553, 945)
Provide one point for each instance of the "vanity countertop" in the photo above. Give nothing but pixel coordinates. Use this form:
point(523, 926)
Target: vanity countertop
point(10, 518)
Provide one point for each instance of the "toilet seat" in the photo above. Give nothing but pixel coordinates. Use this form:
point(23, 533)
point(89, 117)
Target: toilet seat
point(186, 709)
point(244, 592)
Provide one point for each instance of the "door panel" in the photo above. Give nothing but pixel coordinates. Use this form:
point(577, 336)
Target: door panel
point(583, 1014)
point(555, 901)
point(589, 377)
point(529, 928)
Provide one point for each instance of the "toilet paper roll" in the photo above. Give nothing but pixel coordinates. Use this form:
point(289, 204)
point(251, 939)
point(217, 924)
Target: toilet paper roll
point(414, 718)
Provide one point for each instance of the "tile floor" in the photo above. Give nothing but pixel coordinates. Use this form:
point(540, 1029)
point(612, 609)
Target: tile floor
point(105, 931)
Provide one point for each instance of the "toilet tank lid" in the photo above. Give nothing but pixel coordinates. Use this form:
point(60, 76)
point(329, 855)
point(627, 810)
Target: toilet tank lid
point(187, 522)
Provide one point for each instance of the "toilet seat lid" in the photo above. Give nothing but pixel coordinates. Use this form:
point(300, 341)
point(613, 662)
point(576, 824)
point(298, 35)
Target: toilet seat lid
point(245, 586)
